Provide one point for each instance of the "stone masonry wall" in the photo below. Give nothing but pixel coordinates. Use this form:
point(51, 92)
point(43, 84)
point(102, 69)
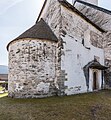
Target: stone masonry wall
point(65, 23)
point(32, 68)
point(107, 51)
point(52, 16)
point(102, 19)
point(96, 39)
point(76, 27)
point(78, 50)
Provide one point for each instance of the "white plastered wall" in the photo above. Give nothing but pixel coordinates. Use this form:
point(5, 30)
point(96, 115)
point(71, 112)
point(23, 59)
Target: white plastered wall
point(75, 54)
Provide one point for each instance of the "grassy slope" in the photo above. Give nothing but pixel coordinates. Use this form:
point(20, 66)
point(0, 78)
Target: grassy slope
point(3, 95)
point(92, 106)
point(1, 88)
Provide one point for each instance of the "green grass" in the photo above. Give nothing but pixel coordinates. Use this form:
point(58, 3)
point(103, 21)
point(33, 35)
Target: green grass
point(92, 106)
point(3, 95)
point(1, 88)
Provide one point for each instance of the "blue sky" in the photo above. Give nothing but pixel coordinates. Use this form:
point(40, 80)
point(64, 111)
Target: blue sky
point(16, 16)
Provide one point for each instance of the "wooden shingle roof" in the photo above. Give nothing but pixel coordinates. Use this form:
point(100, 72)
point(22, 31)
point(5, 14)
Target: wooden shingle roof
point(40, 30)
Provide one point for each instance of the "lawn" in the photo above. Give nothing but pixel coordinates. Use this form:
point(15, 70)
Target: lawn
point(1, 88)
point(3, 95)
point(91, 106)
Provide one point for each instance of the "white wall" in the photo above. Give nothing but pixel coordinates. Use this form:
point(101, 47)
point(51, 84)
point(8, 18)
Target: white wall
point(74, 55)
point(71, 28)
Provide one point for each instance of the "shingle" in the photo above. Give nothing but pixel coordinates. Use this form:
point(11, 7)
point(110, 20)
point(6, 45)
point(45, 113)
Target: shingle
point(40, 30)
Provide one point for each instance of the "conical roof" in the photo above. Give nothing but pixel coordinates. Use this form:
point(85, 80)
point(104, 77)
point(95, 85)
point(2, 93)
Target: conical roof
point(40, 30)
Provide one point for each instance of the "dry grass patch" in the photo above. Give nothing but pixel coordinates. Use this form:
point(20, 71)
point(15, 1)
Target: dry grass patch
point(92, 106)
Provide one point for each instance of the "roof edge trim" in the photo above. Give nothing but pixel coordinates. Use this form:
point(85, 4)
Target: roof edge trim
point(73, 9)
point(41, 10)
point(95, 7)
point(7, 47)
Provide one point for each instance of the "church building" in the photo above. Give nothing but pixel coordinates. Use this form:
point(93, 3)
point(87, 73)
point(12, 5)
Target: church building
point(67, 51)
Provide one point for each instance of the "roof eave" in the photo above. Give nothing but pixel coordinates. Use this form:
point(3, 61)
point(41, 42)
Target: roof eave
point(7, 47)
point(73, 9)
point(95, 7)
